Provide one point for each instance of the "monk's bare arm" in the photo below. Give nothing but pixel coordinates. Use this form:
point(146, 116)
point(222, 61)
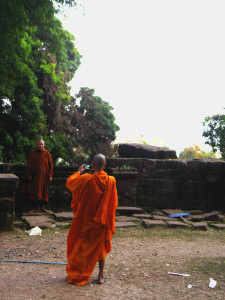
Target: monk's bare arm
point(76, 181)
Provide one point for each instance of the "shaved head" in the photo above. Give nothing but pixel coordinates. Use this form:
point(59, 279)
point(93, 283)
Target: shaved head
point(40, 145)
point(99, 161)
point(40, 141)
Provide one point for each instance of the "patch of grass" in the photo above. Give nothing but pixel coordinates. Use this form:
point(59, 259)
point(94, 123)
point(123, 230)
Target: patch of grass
point(214, 268)
point(189, 234)
point(66, 226)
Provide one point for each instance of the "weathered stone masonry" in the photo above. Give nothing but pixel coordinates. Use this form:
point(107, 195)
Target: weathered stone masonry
point(8, 187)
point(161, 183)
point(143, 182)
point(59, 195)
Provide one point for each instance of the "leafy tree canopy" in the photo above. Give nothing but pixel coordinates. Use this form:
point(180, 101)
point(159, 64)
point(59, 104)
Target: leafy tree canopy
point(195, 152)
point(99, 126)
point(214, 132)
point(37, 61)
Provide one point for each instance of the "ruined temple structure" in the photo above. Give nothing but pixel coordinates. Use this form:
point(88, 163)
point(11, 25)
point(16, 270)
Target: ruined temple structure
point(147, 177)
point(8, 187)
point(145, 151)
point(163, 181)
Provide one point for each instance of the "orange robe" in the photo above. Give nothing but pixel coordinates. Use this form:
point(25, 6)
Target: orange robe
point(40, 167)
point(94, 204)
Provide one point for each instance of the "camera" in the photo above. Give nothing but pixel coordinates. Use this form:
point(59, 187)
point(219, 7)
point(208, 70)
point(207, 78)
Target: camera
point(87, 167)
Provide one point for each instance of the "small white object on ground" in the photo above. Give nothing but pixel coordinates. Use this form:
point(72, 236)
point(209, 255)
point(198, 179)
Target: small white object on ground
point(191, 285)
point(178, 274)
point(212, 283)
point(34, 231)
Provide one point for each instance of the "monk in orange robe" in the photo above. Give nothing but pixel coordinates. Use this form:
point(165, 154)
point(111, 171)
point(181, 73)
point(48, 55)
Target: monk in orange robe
point(39, 173)
point(94, 202)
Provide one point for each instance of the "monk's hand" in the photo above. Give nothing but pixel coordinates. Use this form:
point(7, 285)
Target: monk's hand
point(50, 179)
point(81, 168)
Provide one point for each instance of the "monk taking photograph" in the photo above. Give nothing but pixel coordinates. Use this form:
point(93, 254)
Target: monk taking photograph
point(94, 202)
point(39, 172)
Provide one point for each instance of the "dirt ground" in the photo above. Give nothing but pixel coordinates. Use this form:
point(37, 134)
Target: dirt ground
point(136, 268)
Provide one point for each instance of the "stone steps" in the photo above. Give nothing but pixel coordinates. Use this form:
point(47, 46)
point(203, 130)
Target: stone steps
point(131, 217)
point(128, 210)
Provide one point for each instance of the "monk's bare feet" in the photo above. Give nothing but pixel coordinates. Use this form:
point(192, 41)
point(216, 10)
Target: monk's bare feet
point(100, 279)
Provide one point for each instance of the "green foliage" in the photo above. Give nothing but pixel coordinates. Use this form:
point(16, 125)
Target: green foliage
point(99, 126)
point(195, 152)
point(214, 131)
point(38, 59)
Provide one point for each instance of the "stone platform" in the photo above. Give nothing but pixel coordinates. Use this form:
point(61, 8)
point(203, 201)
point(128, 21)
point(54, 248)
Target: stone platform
point(131, 217)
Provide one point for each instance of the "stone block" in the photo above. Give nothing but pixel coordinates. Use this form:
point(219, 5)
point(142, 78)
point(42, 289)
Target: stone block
point(221, 217)
point(143, 216)
point(8, 184)
point(145, 151)
point(218, 226)
point(176, 224)
point(194, 212)
point(6, 220)
point(163, 218)
point(128, 210)
point(7, 203)
point(125, 224)
point(172, 211)
point(166, 184)
point(153, 223)
point(216, 165)
point(211, 216)
point(171, 164)
point(41, 221)
point(127, 219)
point(160, 164)
point(157, 212)
point(182, 164)
point(200, 225)
point(193, 165)
point(64, 216)
point(120, 162)
point(142, 182)
point(193, 172)
point(149, 164)
point(180, 174)
point(197, 218)
point(163, 174)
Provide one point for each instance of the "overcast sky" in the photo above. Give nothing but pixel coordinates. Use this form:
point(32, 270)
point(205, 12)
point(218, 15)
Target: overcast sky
point(160, 64)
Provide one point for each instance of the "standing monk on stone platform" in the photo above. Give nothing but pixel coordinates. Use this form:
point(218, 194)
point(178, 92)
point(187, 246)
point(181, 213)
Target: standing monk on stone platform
point(94, 202)
point(39, 173)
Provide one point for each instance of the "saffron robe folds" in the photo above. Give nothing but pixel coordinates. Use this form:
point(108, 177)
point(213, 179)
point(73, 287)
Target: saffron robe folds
point(40, 167)
point(94, 204)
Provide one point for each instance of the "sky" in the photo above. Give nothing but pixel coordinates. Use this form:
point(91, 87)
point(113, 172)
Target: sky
point(160, 64)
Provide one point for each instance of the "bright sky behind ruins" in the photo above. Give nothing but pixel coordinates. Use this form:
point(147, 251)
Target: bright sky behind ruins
point(160, 64)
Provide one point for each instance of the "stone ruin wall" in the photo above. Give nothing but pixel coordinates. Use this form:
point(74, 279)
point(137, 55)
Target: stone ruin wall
point(60, 196)
point(8, 187)
point(174, 183)
point(143, 182)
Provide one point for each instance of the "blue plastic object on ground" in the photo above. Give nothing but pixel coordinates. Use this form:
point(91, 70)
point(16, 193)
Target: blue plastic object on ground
point(33, 262)
point(179, 215)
